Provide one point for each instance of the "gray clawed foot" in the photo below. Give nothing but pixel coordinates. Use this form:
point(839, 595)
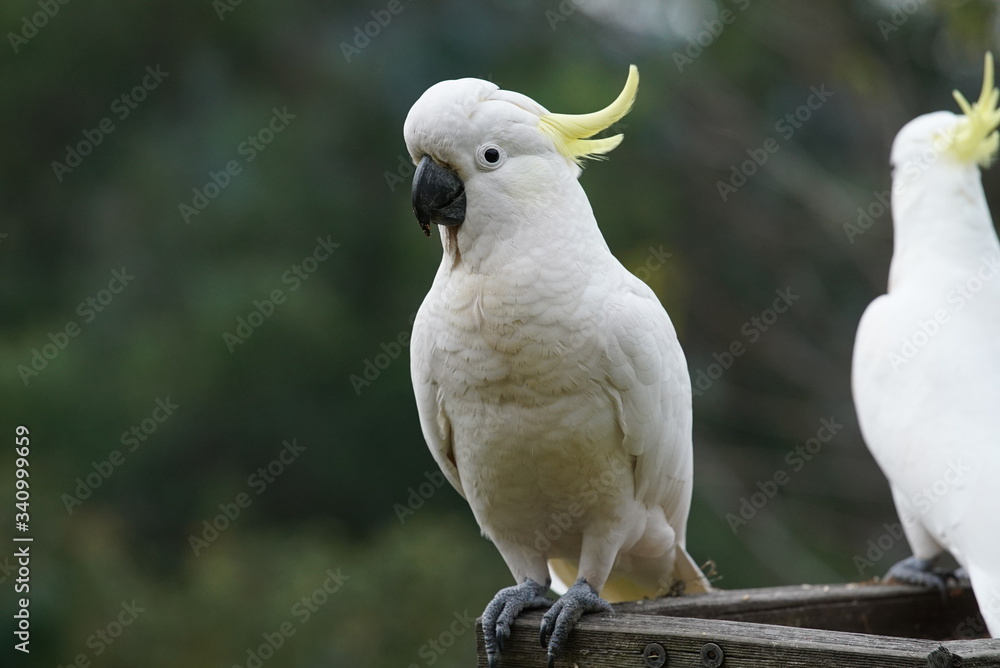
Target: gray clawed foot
point(504, 608)
point(960, 577)
point(564, 614)
point(913, 570)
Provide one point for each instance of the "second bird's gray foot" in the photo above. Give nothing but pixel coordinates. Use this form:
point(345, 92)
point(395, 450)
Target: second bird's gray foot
point(564, 614)
point(914, 570)
point(504, 608)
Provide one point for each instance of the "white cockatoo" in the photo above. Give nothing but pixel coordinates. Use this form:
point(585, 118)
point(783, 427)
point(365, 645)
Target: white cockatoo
point(551, 387)
point(926, 369)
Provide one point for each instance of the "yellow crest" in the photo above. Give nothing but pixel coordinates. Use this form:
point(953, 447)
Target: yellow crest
point(976, 138)
point(570, 132)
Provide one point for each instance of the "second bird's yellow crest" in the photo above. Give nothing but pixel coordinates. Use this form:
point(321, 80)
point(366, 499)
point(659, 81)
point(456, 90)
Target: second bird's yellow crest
point(976, 138)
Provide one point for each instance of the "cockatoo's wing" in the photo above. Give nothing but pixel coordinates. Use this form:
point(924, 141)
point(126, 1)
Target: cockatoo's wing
point(650, 386)
point(644, 374)
point(894, 428)
point(434, 422)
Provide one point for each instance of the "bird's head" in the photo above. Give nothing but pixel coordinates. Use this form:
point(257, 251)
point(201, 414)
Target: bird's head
point(482, 152)
point(965, 139)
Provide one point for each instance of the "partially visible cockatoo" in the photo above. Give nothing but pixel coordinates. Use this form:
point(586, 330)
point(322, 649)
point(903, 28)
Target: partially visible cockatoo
point(551, 387)
point(926, 370)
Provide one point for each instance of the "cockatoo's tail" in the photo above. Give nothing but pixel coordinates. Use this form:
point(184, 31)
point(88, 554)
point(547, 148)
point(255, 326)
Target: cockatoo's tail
point(976, 137)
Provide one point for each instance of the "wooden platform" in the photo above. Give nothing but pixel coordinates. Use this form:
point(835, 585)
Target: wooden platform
point(829, 626)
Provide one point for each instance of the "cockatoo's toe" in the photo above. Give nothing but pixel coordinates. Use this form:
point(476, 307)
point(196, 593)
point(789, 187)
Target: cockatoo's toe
point(960, 577)
point(557, 623)
point(913, 570)
point(504, 609)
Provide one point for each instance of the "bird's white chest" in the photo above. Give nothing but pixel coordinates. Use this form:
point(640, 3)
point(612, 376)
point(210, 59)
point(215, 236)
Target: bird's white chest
point(523, 338)
point(536, 436)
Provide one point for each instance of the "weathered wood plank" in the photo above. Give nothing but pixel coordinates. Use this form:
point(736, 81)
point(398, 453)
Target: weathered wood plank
point(893, 610)
point(731, 619)
point(616, 641)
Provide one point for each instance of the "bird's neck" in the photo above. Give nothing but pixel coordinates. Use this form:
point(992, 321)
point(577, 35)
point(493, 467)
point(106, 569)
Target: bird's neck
point(559, 227)
point(941, 222)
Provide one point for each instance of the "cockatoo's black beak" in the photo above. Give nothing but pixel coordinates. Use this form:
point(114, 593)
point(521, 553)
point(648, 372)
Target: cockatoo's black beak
point(438, 195)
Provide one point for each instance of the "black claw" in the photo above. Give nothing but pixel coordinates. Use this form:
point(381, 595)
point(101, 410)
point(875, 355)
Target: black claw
point(500, 637)
point(921, 572)
point(502, 611)
point(559, 621)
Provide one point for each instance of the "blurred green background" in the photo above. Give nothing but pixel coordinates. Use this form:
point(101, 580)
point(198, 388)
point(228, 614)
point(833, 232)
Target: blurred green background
point(714, 86)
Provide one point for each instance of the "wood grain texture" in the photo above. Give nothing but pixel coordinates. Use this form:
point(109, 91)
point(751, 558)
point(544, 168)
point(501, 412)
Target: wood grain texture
point(877, 626)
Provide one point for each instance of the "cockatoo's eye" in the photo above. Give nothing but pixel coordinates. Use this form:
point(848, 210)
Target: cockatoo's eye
point(490, 156)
